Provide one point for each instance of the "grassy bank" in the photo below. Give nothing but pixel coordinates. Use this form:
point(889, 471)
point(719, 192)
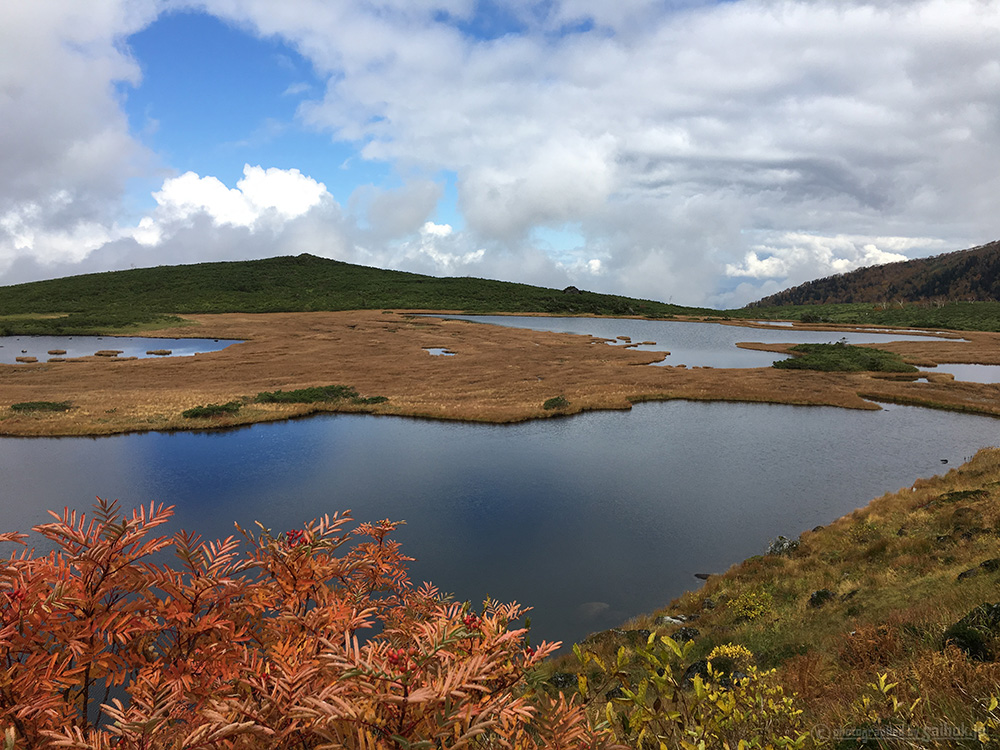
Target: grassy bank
point(874, 623)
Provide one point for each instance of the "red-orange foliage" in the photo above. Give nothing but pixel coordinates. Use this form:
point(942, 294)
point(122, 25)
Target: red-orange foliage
point(310, 639)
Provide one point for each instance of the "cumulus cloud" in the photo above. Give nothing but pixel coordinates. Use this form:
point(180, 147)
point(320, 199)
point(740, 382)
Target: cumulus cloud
point(791, 255)
point(707, 151)
point(261, 194)
point(65, 147)
point(817, 118)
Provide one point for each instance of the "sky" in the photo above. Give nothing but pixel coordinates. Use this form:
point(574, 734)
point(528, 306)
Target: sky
point(689, 151)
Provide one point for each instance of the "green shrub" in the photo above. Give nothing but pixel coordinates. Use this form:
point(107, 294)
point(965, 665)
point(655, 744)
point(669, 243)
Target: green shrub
point(556, 402)
point(370, 400)
point(308, 395)
point(842, 357)
point(317, 394)
point(211, 410)
point(672, 703)
point(752, 604)
point(25, 406)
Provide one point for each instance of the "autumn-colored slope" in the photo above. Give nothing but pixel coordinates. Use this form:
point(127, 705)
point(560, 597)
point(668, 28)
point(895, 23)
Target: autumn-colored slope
point(966, 275)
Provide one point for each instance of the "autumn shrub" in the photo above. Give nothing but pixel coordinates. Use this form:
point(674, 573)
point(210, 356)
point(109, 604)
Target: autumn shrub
point(306, 639)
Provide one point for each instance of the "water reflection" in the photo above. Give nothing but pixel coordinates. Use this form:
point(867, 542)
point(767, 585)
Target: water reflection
point(590, 519)
point(691, 344)
point(971, 373)
point(43, 348)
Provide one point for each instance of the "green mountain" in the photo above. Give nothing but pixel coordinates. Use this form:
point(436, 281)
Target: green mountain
point(302, 283)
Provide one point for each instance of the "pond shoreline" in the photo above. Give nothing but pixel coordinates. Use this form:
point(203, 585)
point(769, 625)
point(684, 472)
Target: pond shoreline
point(497, 375)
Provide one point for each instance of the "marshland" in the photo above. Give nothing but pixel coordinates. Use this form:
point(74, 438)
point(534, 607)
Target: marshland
point(589, 476)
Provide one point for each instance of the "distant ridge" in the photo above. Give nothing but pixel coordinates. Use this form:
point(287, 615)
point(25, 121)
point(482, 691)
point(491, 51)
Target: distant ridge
point(971, 275)
point(301, 283)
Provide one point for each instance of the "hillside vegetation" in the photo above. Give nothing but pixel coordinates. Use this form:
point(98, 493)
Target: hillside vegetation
point(305, 283)
point(883, 629)
point(958, 316)
point(963, 276)
point(149, 298)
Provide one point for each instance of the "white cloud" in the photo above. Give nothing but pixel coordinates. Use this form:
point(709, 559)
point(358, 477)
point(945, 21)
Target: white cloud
point(65, 148)
point(846, 118)
point(796, 257)
point(261, 193)
point(706, 151)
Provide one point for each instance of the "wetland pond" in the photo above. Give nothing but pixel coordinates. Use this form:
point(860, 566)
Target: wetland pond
point(589, 519)
point(690, 344)
point(44, 348)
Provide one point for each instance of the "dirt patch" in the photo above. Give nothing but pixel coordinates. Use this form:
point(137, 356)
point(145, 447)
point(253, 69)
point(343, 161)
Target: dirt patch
point(498, 375)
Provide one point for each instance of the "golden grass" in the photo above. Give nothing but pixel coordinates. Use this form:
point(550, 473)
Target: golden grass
point(498, 374)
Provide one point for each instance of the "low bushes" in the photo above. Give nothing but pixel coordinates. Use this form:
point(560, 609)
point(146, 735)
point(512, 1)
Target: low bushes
point(29, 406)
point(557, 402)
point(317, 394)
point(212, 410)
point(842, 357)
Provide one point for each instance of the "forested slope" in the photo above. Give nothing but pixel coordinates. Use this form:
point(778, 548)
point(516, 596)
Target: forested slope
point(963, 276)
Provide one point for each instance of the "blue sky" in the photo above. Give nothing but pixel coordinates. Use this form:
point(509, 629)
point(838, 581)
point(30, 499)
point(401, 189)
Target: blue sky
point(703, 152)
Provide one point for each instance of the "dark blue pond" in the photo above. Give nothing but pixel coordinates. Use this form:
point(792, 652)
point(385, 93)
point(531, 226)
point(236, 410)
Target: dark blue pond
point(589, 519)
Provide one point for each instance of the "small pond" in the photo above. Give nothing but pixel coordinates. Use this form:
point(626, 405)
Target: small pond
point(690, 344)
point(12, 347)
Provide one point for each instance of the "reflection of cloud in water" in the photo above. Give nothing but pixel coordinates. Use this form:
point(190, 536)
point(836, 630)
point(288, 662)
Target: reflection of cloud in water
point(589, 520)
point(591, 610)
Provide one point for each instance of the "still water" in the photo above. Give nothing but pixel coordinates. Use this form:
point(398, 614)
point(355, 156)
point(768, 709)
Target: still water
point(971, 373)
point(589, 519)
point(690, 344)
point(12, 347)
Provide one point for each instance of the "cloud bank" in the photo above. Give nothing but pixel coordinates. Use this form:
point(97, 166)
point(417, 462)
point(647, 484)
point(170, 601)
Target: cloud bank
point(705, 153)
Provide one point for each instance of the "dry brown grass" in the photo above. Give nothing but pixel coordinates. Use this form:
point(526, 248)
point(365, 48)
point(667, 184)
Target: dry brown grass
point(498, 374)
